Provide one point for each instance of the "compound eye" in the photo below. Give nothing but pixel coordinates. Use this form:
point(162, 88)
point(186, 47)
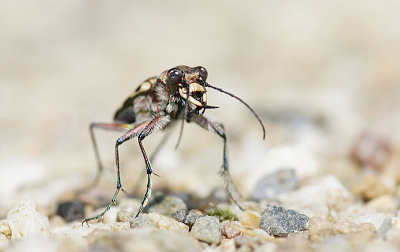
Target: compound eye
point(203, 73)
point(174, 76)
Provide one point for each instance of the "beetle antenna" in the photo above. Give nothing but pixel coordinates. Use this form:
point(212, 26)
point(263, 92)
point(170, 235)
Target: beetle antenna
point(183, 118)
point(234, 96)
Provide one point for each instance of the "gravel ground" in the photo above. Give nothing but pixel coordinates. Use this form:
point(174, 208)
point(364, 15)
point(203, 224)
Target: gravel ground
point(322, 75)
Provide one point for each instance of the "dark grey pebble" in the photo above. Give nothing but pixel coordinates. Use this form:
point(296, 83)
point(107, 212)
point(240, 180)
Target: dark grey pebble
point(186, 217)
point(280, 221)
point(274, 184)
point(71, 210)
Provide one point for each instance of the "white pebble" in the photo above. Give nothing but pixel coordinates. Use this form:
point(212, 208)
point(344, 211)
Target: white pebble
point(162, 222)
point(108, 217)
point(338, 195)
point(25, 220)
point(4, 242)
point(326, 192)
point(375, 219)
point(395, 222)
point(5, 228)
point(34, 244)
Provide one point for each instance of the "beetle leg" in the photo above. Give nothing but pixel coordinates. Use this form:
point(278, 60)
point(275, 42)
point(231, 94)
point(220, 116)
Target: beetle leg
point(106, 126)
point(153, 156)
point(156, 124)
point(133, 132)
point(218, 128)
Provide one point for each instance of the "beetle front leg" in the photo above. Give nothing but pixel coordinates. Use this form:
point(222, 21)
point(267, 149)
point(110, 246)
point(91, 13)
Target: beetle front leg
point(155, 125)
point(133, 132)
point(218, 128)
point(153, 156)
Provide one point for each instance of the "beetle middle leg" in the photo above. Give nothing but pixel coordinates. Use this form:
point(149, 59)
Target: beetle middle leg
point(218, 128)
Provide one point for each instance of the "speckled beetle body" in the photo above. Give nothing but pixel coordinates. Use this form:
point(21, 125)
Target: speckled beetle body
point(176, 94)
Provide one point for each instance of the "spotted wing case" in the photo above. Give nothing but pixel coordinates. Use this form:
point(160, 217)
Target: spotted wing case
point(137, 103)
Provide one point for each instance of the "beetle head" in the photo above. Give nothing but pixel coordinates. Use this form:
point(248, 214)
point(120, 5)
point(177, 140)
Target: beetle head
point(189, 84)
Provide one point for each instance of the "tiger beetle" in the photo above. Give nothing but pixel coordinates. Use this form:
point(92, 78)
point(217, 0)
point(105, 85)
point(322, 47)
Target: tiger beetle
point(176, 94)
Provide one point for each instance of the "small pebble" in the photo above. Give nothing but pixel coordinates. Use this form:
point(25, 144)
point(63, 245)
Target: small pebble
point(229, 229)
point(141, 222)
point(268, 247)
point(319, 229)
point(69, 242)
point(70, 211)
point(125, 216)
point(250, 219)
point(145, 240)
point(371, 187)
point(96, 228)
point(57, 221)
point(166, 205)
point(207, 229)
point(246, 243)
point(387, 204)
point(175, 240)
point(34, 244)
point(326, 192)
point(395, 222)
point(186, 217)
point(280, 221)
point(108, 217)
point(25, 220)
point(371, 151)
point(4, 242)
point(296, 243)
point(375, 219)
point(227, 245)
point(384, 229)
point(334, 243)
point(129, 204)
point(118, 226)
point(337, 196)
point(274, 184)
point(5, 228)
point(162, 222)
point(92, 233)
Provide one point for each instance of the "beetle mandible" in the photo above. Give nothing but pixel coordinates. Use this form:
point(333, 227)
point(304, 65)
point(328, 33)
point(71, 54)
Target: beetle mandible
point(176, 94)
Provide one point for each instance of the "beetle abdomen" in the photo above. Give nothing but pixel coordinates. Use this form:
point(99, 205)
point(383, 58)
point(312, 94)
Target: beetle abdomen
point(126, 113)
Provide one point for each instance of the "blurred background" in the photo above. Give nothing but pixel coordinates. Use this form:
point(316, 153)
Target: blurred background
point(323, 76)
